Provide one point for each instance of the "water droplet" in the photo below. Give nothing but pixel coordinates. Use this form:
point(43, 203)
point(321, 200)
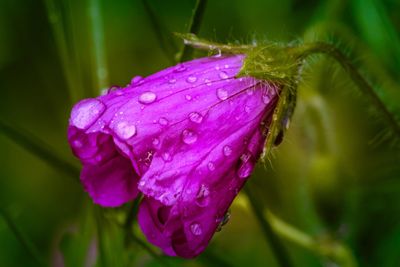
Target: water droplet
point(266, 97)
point(246, 166)
point(191, 79)
point(222, 93)
point(189, 137)
point(202, 197)
point(188, 97)
point(109, 90)
point(86, 112)
point(125, 130)
point(195, 228)
point(223, 75)
point(136, 80)
point(227, 151)
point(77, 144)
point(147, 97)
point(247, 109)
point(163, 121)
point(195, 117)
point(211, 166)
point(166, 156)
point(180, 68)
point(172, 81)
point(226, 66)
point(208, 82)
point(142, 183)
point(156, 142)
point(250, 91)
point(245, 170)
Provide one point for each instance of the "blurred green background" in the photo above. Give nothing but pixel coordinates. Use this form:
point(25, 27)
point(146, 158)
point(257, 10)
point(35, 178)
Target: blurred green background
point(335, 177)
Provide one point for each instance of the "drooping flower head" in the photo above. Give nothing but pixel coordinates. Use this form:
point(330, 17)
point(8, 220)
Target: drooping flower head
point(187, 138)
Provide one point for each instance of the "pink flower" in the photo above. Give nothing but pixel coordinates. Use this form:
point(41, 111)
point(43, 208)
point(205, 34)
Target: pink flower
point(187, 137)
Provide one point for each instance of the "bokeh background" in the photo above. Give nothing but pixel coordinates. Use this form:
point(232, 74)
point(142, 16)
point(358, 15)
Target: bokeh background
point(335, 179)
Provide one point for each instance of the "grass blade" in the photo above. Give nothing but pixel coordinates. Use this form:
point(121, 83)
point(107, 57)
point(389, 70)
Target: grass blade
point(167, 45)
point(38, 148)
point(98, 50)
point(25, 242)
point(56, 20)
point(194, 27)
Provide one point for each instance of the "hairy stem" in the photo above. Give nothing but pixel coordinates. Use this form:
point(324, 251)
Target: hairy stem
point(328, 49)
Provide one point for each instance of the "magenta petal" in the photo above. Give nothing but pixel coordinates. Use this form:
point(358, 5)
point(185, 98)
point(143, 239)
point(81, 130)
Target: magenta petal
point(152, 217)
point(107, 175)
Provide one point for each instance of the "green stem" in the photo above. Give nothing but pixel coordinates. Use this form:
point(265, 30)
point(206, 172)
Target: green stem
point(328, 49)
point(278, 249)
point(100, 238)
point(194, 27)
point(99, 51)
point(212, 259)
point(38, 148)
point(25, 242)
point(327, 248)
point(148, 249)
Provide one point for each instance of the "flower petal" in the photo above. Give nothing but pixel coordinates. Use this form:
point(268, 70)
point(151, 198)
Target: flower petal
point(107, 175)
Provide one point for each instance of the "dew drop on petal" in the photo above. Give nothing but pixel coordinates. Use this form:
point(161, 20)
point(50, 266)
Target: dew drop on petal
point(191, 79)
point(156, 142)
point(245, 170)
point(247, 109)
point(86, 112)
point(142, 183)
point(189, 137)
point(136, 80)
point(77, 144)
point(166, 156)
point(227, 151)
point(125, 130)
point(180, 68)
point(208, 82)
point(163, 121)
point(195, 117)
point(211, 166)
point(195, 228)
point(250, 91)
point(266, 96)
point(246, 166)
point(147, 97)
point(188, 97)
point(223, 75)
point(172, 81)
point(222, 93)
point(202, 197)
